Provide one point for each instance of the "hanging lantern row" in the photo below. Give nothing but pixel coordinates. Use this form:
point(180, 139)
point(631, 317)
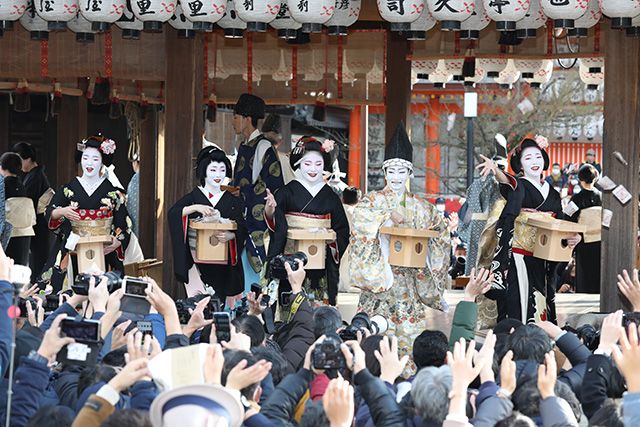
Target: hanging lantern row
point(478, 21)
point(592, 72)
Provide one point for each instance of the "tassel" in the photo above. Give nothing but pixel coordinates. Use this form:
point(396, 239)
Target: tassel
point(115, 108)
point(22, 103)
point(320, 109)
point(212, 108)
point(56, 100)
point(101, 91)
point(469, 66)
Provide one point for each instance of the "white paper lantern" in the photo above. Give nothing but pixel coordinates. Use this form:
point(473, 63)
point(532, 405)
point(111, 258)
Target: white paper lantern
point(102, 13)
point(311, 13)
point(451, 13)
point(593, 65)
point(478, 21)
point(220, 71)
point(10, 11)
point(345, 15)
point(592, 73)
point(233, 26)
point(418, 28)
point(575, 128)
point(257, 13)
point(153, 13)
point(32, 22)
point(424, 68)
point(527, 27)
point(477, 77)
point(509, 75)
point(400, 13)
point(131, 26)
point(590, 18)
point(454, 67)
point(542, 75)
point(203, 14)
point(57, 12)
point(559, 130)
point(634, 29)
point(83, 29)
point(441, 75)
point(564, 12)
point(492, 66)
point(590, 128)
point(180, 22)
point(621, 12)
point(528, 67)
point(506, 12)
point(311, 63)
point(287, 26)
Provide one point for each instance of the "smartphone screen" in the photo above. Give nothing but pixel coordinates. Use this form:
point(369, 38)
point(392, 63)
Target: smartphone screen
point(83, 330)
point(135, 287)
point(223, 326)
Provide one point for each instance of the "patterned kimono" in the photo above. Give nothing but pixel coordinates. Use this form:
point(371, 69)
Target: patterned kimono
point(400, 294)
point(254, 194)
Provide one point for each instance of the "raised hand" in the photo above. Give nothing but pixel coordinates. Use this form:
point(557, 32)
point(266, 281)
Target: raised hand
point(270, 205)
point(630, 287)
point(547, 376)
point(338, 403)
point(627, 357)
point(479, 284)
point(391, 366)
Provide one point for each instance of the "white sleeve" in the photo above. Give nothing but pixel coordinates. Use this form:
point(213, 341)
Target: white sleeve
point(261, 150)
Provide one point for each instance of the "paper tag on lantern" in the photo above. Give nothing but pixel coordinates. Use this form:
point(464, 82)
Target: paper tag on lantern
point(72, 241)
point(570, 209)
point(606, 217)
point(622, 194)
point(606, 184)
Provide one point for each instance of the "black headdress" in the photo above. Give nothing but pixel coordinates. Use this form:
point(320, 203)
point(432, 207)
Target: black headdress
point(106, 147)
point(307, 144)
point(515, 163)
point(250, 106)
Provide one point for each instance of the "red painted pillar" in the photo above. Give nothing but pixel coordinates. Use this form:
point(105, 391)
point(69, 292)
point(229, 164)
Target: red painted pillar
point(355, 147)
point(432, 163)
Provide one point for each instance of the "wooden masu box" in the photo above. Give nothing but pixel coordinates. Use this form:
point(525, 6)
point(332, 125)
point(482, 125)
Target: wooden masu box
point(208, 248)
point(408, 246)
point(550, 238)
point(312, 244)
point(90, 253)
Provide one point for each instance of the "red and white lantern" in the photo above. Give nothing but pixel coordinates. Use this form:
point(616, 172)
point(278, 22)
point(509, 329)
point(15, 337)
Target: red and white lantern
point(506, 12)
point(153, 13)
point(287, 26)
point(590, 18)
point(508, 76)
point(528, 67)
point(257, 13)
point(57, 13)
point(130, 25)
point(102, 13)
point(346, 14)
point(528, 26)
point(441, 75)
point(451, 13)
point(564, 12)
point(621, 12)
point(478, 21)
point(233, 26)
point(454, 67)
point(180, 22)
point(311, 13)
point(592, 72)
point(203, 14)
point(480, 74)
point(542, 75)
point(492, 66)
point(425, 68)
point(83, 29)
point(400, 13)
point(32, 22)
point(10, 11)
point(418, 28)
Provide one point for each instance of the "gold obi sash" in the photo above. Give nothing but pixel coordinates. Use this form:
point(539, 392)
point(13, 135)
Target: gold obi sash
point(304, 221)
point(524, 235)
point(21, 215)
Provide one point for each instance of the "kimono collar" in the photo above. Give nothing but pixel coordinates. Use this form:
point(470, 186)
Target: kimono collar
point(91, 187)
point(542, 187)
point(313, 189)
point(256, 133)
point(213, 198)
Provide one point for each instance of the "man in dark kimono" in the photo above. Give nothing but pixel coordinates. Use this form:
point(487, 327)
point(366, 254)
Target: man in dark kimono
point(257, 169)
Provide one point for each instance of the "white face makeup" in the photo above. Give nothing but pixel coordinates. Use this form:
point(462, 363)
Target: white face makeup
point(91, 162)
point(216, 174)
point(397, 177)
point(532, 162)
point(312, 166)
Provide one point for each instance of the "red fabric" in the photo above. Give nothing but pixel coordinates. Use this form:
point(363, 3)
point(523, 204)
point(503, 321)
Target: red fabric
point(271, 223)
point(521, 252)
point(91, 214)
point(55, 223)
point(335, 253)
point(120, 253)
point(234, 252)
point(318, 386)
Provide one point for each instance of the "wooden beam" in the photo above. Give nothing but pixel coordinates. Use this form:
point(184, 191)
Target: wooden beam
point(398, 77)
point(621, 135)
point(148, 198)
point(72, 128)
point(5, 122)
point(183, 128)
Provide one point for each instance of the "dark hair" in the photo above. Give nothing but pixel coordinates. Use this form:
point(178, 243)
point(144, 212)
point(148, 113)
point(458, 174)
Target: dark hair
point(350, 196)
point(326, 319)
point(25, 151)
point(231, 359)
point(369, 345)
point(305, 145)
point(52, 416)
point(208, 155)
point(516, 419)
point(505, 325)
point(587, 173)
point(271, 353)
point(93, 375)
point(430, 349)
point(609, 415)
point(129, 418)
point(526, 398)
point(251, 326)
point(115, 357)
point(254, 122)
point(529, 342)
point(516, 165)
point(314, 415)
point(95, 142)
point(11, 162)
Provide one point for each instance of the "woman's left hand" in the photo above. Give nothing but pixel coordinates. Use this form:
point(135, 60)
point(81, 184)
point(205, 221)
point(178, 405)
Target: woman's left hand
point(225, 236)
point(574, 240)
point(115, 244)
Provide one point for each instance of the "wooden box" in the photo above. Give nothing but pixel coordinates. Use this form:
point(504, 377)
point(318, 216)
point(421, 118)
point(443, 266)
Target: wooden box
point(90, 253)
point(408, 246)
point(312, 244)
point(208, 248)
point(148, 267)
point(592, 219)
point(549, 236)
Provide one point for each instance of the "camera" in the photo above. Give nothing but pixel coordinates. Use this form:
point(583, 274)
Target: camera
point(458, 267)
point(22, 306)
point(183, 306)
point(328, 355)
point(81, 283)
point(376, 325)
point(276, 266)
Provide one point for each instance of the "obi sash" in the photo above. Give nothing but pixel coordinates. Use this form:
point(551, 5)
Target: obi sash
point(524, 235)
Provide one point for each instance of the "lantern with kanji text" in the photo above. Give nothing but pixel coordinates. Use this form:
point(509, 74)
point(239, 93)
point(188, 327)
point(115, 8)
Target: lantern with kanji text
point(471, 27)
point(153, 13)
point(528, 26)
point(621, 12)
point(451, 13)
point(564, 12)
point(286, 26)
point(32, 22)
point(130, 25)
point(233, 26)
point(203, 14)
point(401, 13)
point(257, 13)
point(311, 13)
point(180, 22)
point(506, 12)
point(102, 13)
point(57, 12)
point(345, 15)
point(590, 18)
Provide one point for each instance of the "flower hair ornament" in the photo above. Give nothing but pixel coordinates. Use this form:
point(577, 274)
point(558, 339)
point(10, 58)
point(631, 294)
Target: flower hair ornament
point(328, 145)
point(542, 142)
point(108, 146)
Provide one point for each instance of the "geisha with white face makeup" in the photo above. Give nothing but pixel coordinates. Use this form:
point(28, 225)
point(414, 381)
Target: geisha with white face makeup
point(216, 175)
point(397, 177)
point(91, 163)
point(312, 167)
point(532, 163)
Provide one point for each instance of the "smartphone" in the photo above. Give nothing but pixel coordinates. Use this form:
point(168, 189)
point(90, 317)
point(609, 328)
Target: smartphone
point(222, 320)
point(135, 287)
point(82, 330)
point(145, 326)
point(256, 289)
point(264, 301)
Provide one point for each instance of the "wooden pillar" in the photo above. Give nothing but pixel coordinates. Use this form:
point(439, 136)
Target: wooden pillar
point(432, 161)
point(72, 129)
point(148, 198)
point(621, 134)
point(398, 77)
point(355, 146)
point(4, 123)
point(183, 126)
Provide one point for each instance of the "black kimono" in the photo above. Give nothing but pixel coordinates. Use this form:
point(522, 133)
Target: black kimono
point(294, 198)
point(105, 200)
point(36, 184)
point(517, 274)
point(18, 247)
point(226, 280)
point(587, 254)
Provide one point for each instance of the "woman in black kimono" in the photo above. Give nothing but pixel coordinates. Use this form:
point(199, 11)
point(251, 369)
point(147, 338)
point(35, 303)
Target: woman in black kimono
point(522, 284)
point(20, 215)
point(89, 196)
point(587, 254)
point(227, 280)
point(308, 196)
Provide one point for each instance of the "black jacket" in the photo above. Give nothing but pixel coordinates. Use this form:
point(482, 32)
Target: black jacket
point(281, 405)
point(601, 380)
point(384, 409)
point(296, 336)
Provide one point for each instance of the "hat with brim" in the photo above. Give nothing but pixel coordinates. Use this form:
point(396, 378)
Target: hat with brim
point(515, 162)
point(190, 403)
